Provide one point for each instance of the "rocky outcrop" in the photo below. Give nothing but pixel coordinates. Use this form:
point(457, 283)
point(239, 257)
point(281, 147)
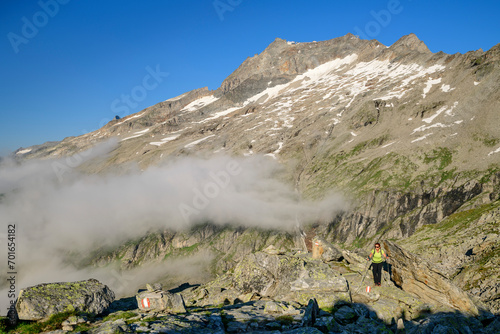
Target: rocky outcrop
point(159, 300)
point(290, 278)
point(231, 244)
point(409, 42)
point(164, 110)
point(43, 300)
point(418, 277)
point(408, 211)
point(322, 249)
point(464, 247)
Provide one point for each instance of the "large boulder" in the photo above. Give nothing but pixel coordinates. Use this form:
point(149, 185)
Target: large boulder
point(43, 300)
point(159, 300)
point(290, 278)
point(420, 278)
point(324, 250)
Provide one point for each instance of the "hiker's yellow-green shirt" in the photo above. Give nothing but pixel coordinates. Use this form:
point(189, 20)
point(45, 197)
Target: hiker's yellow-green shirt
point(377, 256)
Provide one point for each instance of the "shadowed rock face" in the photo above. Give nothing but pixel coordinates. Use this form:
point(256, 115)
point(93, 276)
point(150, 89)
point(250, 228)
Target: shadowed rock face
point(416, 276)
point(43, 300)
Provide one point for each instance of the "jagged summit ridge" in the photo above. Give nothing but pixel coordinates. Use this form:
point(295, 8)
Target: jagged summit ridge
point(283, 60)
point(410, 42)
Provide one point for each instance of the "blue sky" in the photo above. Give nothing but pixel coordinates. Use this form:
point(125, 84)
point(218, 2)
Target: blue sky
point(67, 65)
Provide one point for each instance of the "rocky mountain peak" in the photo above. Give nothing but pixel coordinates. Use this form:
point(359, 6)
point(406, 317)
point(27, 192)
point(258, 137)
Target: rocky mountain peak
point(282, 60)
point(278, 43)
point(410, 42)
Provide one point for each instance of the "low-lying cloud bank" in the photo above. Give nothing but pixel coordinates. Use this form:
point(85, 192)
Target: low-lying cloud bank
point(57, 209)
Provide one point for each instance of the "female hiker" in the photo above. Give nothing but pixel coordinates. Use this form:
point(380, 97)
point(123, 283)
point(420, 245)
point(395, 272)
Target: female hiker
point(376, 256)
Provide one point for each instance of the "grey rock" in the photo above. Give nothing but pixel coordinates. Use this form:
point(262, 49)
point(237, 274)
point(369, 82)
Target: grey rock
point(68, 328)
point(41, 301)
point(400, 324)
point(327, 251)
point(236, 326)
point(441, 329)
point(74, 320)
point(445, 323)
point(273, 325)
point(139, 329)
point(493, 327)
point(387, 309)
point(215, 322)
point(311, 313)
point(326, 324)
point(416, 276)
point(161, 301)
point(367, 326)
point(303, 330)
point(271, 249)
point(290, 278)
point(274, 307)
point(108, 328)
point(217, 296)
point(345, 315)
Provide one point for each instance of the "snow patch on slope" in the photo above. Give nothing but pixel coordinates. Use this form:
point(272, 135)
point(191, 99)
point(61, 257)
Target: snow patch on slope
point(429, 84)
point(196, 142)
point(495, 151)
point(24, 151)
point(165, 140)
point(446, 88)
point(199, 103)
point(136, 134)
point(129, 118)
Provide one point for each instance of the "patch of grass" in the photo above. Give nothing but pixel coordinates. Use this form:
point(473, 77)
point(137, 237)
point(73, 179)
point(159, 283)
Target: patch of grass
point(152, 318)
point(368, 144)
point(120, 315)
point(4, 324)
point(359, 242)
point(442, 156)
point(189, 249)
point(285, 319)
point(52, 324)
point(330, 309)
point(465, 217)
point(486, 139)
point(477, 61)
point(489, 173)
point(84, 327)
point(447, 175)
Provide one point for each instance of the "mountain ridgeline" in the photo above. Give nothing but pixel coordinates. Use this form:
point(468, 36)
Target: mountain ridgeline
point(410, 138)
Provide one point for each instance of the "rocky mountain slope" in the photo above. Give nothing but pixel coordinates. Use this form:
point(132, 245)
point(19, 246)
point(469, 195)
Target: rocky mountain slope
point(408, 136)
point(274, 291)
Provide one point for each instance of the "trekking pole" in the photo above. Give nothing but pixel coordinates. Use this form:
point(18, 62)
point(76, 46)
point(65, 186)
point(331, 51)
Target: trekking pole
point(363, 279)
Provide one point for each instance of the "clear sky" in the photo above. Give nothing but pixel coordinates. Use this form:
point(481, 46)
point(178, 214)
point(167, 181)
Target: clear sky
point(67, 66)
